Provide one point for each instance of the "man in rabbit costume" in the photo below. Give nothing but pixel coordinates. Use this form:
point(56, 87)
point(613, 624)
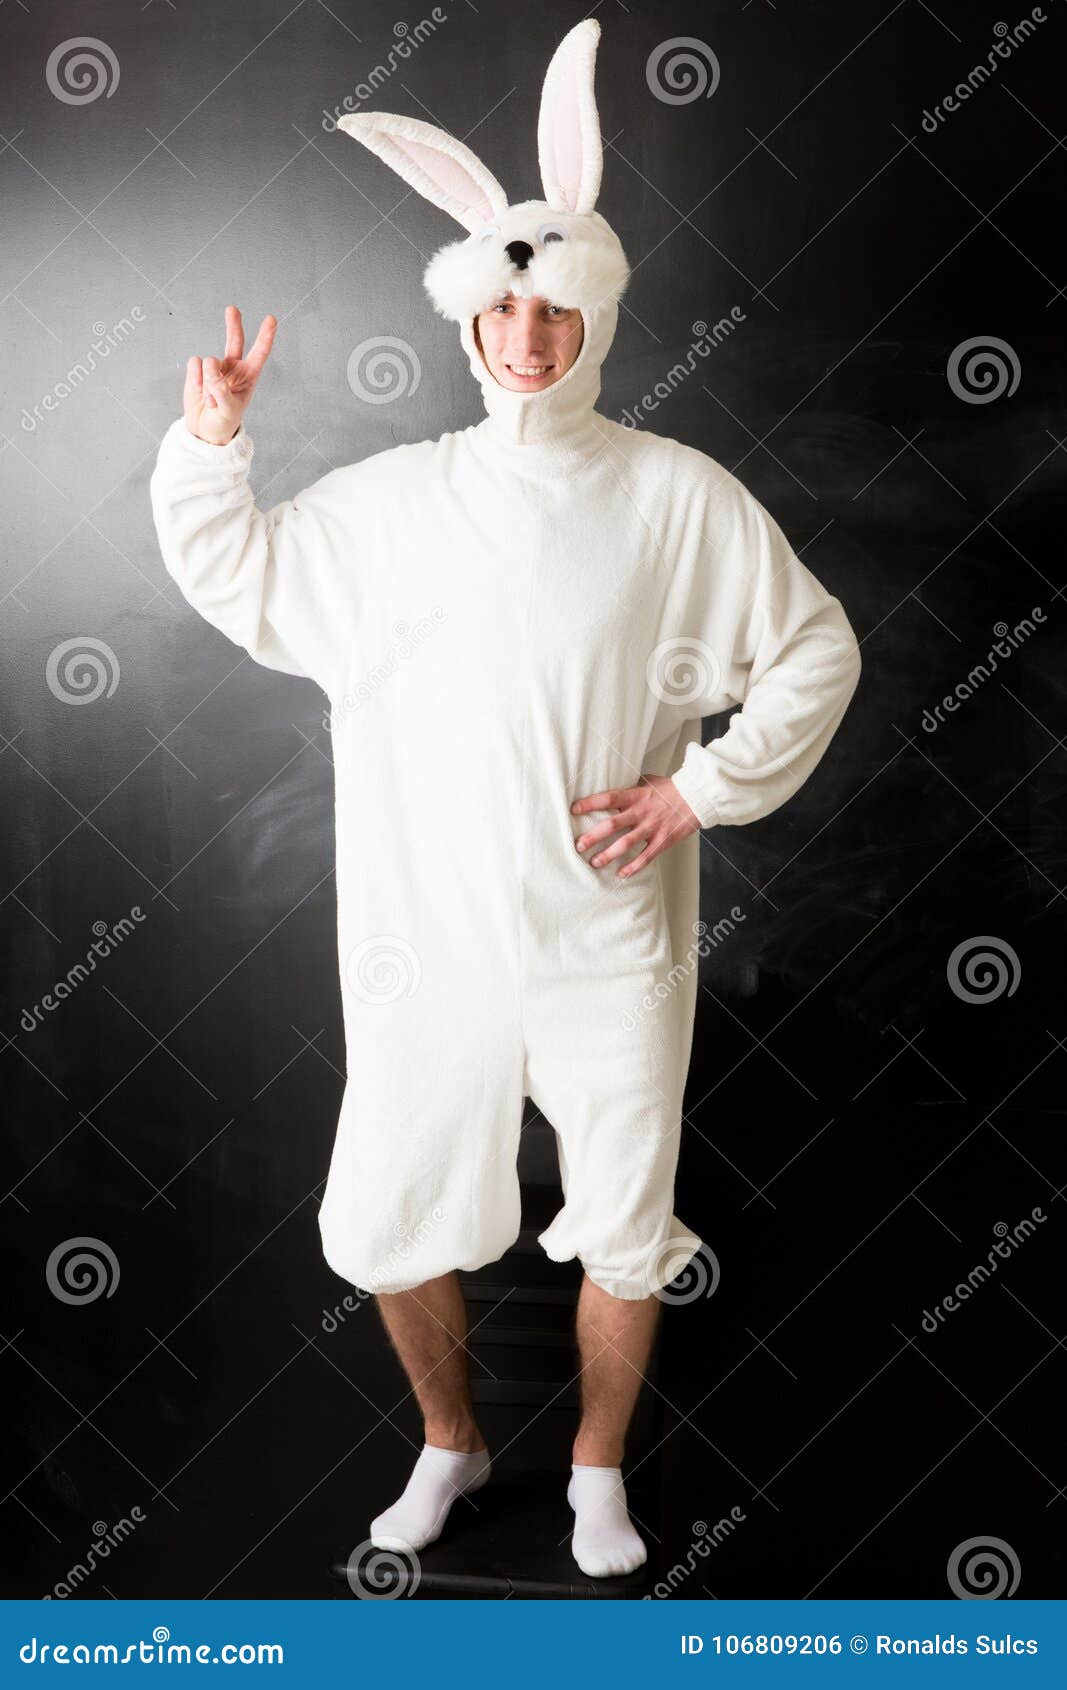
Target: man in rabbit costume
point(573, 597)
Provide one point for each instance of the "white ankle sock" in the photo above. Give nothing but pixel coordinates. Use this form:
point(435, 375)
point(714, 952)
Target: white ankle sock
point(605, 1542)
point(418, 1515)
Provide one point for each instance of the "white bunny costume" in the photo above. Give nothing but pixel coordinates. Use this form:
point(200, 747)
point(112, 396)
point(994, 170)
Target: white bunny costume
point(570, 597)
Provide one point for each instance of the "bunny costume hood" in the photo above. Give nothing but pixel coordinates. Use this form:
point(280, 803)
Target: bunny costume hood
point(558, 248)
point(536, 609)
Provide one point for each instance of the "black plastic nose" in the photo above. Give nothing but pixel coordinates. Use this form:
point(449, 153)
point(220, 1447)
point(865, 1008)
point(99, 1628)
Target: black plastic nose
point(520, 253)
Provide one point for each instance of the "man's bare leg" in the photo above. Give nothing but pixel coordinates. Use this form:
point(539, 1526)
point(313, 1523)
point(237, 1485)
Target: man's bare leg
point(615, 1337)
point(428, 1329)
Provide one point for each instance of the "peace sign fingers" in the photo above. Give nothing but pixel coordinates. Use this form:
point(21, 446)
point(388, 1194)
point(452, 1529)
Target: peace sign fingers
point(260, 350)
point(235, 335)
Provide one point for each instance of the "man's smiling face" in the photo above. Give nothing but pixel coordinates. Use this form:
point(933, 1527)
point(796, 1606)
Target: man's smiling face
point(528, 344)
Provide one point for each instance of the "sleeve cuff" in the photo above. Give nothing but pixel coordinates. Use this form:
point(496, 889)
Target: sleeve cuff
point(690, 782)
point(236, 452)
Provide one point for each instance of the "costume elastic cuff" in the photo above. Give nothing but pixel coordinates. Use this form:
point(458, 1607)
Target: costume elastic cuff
point(236, 452)
point(693, 787)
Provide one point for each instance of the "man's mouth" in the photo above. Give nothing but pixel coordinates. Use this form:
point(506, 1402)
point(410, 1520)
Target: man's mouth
point(529, 372)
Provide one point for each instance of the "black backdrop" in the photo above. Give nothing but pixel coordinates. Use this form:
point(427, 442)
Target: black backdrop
point(866, 1119)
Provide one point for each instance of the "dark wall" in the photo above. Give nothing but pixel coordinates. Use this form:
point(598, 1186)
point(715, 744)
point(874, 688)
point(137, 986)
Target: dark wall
point(861, 1130)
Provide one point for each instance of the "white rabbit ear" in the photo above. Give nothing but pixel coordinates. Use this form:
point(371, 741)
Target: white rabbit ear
point(433, 162)
point(568, 129)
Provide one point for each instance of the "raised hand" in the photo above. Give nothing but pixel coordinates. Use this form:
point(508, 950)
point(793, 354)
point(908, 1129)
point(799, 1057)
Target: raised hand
point(218, 391)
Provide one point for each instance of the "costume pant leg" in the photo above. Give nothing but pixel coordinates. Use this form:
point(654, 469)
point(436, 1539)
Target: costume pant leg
point(423, 1176)
point(606, 1061)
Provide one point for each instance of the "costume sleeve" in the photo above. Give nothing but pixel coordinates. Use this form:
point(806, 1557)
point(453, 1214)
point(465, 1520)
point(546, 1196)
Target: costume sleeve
point(770, 638)
point(272, 581)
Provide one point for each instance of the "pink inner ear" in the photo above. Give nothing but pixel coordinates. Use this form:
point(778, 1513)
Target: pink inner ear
point(448, 175)
point(568, 136)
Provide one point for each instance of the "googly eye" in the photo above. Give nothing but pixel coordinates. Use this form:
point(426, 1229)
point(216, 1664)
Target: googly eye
point(486, 233)
point(550, 232)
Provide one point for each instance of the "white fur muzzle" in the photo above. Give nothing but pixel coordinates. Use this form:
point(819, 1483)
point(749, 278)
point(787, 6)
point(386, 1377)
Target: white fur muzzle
point(579, 272)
